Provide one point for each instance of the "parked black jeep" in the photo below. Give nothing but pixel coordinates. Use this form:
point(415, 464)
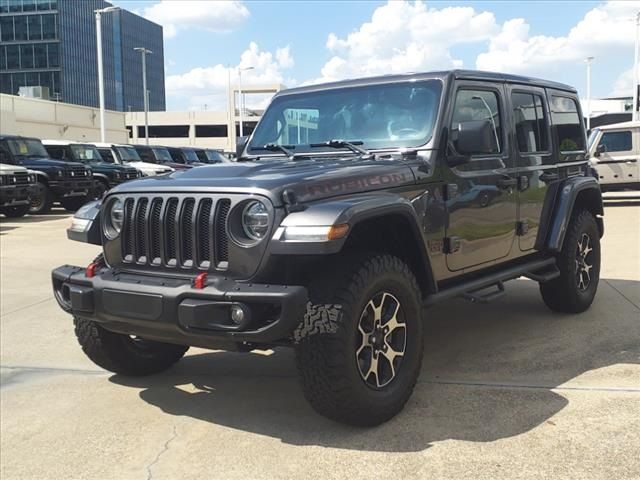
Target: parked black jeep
point(353, 207)
point(105, 175)
point(159, 155)
point(64, 182)
point(17, 185)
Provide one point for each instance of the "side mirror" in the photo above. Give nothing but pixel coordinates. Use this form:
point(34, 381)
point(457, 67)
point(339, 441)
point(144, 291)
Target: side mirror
point(241, 143)
point(476, 137)
point(600, 149)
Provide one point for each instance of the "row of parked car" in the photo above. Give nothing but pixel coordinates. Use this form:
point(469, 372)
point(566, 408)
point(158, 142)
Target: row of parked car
point(34, 173)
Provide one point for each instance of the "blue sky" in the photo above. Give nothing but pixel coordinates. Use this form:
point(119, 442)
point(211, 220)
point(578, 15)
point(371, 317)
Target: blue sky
point(290, 41)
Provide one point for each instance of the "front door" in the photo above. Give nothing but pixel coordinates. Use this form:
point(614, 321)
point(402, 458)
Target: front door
point(618, 160)
point(480, 194)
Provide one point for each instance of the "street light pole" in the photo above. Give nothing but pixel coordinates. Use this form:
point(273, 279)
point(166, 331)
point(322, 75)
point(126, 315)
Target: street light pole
point(588, 61)
point(635, 70)
point(144, 52)
point(99, 13)
point(240, 70)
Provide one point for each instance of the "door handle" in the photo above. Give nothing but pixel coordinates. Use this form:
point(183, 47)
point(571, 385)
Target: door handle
point(507, 182)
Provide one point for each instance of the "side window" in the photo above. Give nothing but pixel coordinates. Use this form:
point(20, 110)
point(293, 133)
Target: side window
point(616, 141)
point(106, 155)
point(474, 105)
point(531, 122)
point(146, 156)
point(567, 124)
point(5, 157)
point(55, 152)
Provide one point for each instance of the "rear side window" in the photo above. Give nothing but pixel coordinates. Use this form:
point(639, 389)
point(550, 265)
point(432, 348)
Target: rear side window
point(616, 141)
point(531, 122)
point(567, 124)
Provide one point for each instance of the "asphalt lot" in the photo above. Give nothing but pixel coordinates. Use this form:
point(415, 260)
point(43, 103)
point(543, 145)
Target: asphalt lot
point(508, 390)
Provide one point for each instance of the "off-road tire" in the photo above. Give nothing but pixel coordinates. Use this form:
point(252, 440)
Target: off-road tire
point(563, 293)
point(42, 201)
point(122, 354)
point(100, 190)
point(326, 341)
point(74, 203)
point(15, 212)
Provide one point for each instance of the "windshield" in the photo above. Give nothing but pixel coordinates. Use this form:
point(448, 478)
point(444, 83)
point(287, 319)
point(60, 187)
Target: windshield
point(26, 147)
point(162, 155)
point(86, 153)
point(592, 137)
point(128, 154)
point(190, 155)
point(380, 116)
point(214, 157)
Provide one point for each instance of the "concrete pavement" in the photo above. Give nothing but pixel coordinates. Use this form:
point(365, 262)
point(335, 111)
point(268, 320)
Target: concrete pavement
point(508, 390)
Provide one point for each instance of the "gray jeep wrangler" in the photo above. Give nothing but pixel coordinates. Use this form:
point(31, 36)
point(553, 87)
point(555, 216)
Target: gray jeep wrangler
point(352, 208)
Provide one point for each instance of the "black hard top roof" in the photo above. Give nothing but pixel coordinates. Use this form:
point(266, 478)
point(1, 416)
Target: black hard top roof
point(441, 75)
point(16, 137)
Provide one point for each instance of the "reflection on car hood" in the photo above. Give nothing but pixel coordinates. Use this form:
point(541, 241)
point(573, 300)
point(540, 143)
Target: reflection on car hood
point(146, 166)
point(307, 179)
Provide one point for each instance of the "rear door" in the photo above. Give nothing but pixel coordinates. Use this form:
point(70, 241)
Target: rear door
point(536, 163)
point(481, 194)
point(618, 163)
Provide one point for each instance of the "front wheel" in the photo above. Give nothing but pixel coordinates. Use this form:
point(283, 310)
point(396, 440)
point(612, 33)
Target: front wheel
point(359, 347)
point(99, 190)
point(41, 200)
point(579, 264)
point(124, 354)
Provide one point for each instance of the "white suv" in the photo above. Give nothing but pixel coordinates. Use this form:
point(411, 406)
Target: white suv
point(615, 154)
point(127, 155)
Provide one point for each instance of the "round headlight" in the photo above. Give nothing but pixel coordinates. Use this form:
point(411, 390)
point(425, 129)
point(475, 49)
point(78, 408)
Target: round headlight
point(255, 220)
point(114, 219)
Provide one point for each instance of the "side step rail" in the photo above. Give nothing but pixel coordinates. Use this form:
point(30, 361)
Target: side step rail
point(476, 296)
point(530, 270)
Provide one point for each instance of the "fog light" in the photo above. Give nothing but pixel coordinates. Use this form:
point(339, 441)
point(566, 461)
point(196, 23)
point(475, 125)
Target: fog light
point(237, 314)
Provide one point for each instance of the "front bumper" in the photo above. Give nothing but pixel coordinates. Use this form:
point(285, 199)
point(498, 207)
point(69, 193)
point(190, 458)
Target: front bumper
point(171, 310)
point(15, 195)
point(71, 188)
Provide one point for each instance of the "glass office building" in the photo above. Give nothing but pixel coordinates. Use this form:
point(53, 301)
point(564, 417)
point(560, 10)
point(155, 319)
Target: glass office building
point(52, 43)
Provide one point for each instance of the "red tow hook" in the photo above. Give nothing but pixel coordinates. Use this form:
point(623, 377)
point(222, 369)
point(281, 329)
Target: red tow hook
point(200, 281)
point(98, 262)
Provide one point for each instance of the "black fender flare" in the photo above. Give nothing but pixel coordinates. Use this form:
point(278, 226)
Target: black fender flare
point(101, 177)
point(567, 194)
point(42, 177)
point(351, 211)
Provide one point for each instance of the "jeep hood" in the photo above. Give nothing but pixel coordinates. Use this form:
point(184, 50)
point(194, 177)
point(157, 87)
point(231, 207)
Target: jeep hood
point(47, 162)
point(308, 179)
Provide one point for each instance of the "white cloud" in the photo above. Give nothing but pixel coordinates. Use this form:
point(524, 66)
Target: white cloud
point(623, 85)
point(603, 31)
point(221, 16)
point(403, 37)
point(208, 85)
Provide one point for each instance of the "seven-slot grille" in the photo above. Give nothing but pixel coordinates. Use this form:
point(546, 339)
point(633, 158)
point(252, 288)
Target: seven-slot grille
point(78, 172)
point(185, 232)
point(130, 173)
point(22, 178)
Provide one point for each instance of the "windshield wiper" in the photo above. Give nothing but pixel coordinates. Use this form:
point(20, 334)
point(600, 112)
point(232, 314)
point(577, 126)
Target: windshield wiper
point(353, 146)
point(274, 147)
